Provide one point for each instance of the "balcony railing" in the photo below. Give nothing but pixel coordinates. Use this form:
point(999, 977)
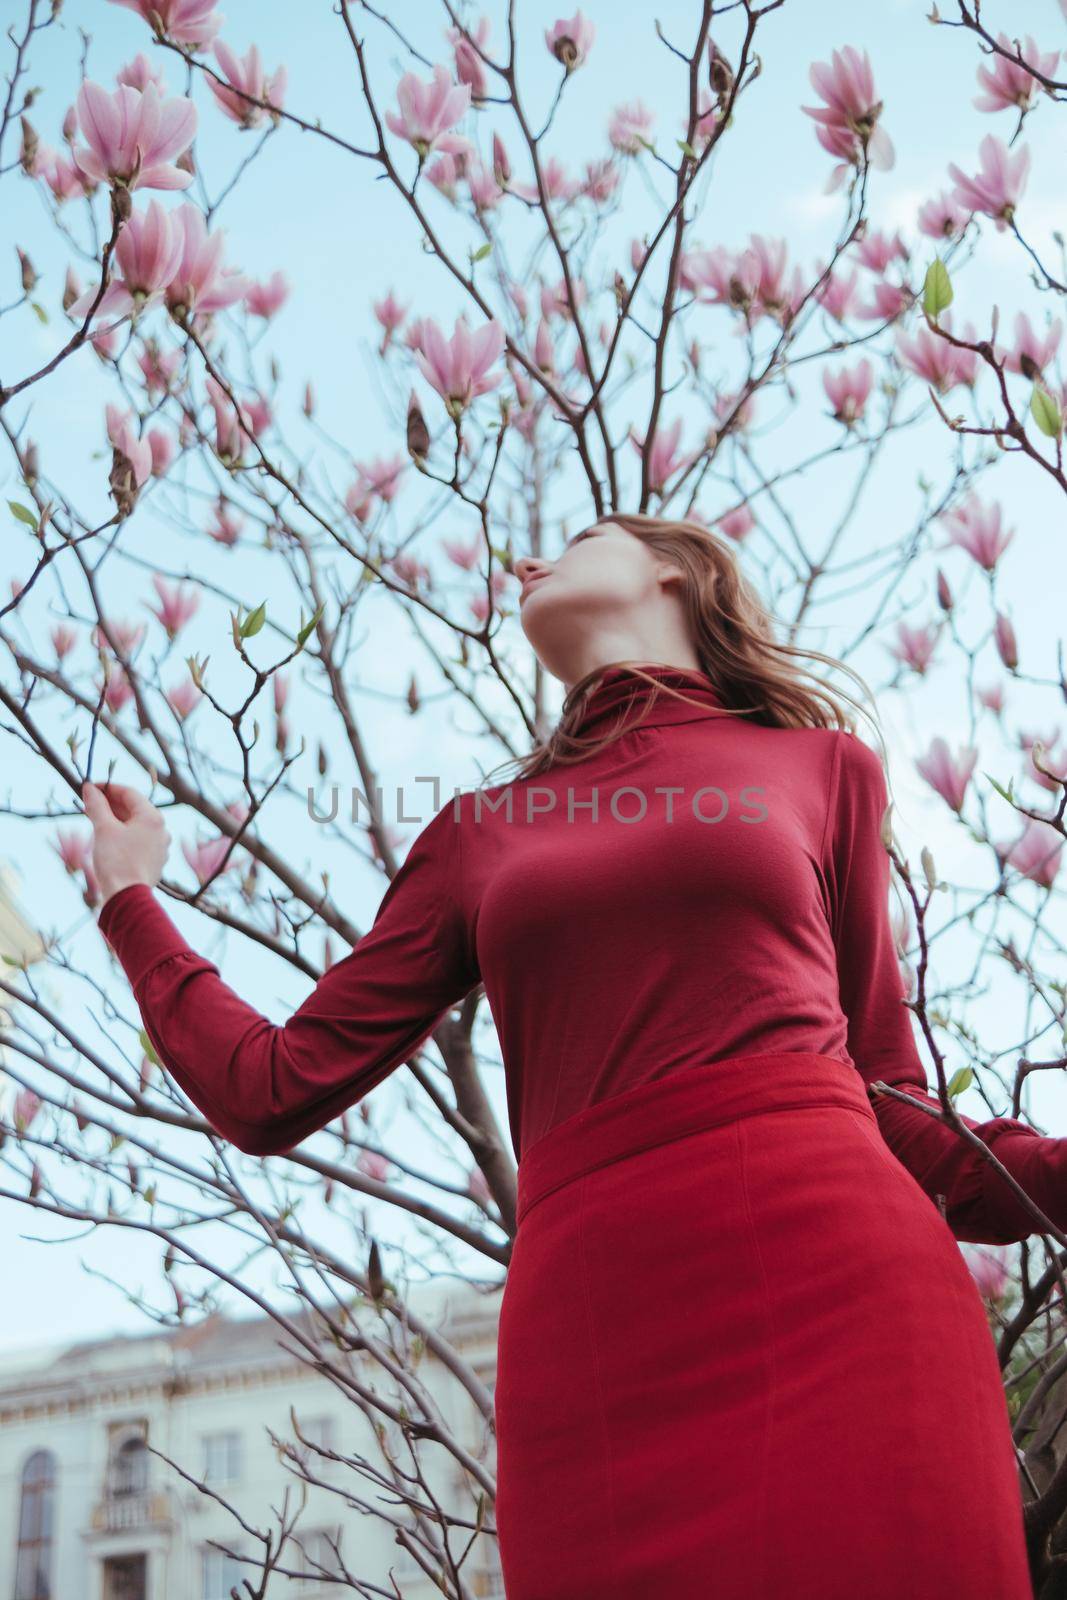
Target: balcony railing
point(151, 1508)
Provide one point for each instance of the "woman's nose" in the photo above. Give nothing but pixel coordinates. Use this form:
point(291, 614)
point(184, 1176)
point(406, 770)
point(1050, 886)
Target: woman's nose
point(526, 566)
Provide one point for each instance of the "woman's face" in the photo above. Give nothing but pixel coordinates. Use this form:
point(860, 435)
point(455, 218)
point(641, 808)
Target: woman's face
point(608, 585)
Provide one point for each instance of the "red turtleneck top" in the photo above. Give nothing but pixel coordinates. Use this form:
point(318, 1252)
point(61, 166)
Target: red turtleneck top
point(704, 887)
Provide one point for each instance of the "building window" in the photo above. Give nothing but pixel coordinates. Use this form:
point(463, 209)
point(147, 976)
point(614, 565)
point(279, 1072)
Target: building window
point(33, 1565)
point(221, 1573)
point(317, 1432)
point(222, 1458)
point(126, 1577)
point(129, 1467)
point(319, 1562)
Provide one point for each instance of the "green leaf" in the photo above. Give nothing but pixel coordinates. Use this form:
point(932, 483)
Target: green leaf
point(305, 632)
point(1005, 794)
point(482, 251)
point(1046, 412)
point(959, 1081)
point(254, 621)
point(24, 514)
point(937, 289)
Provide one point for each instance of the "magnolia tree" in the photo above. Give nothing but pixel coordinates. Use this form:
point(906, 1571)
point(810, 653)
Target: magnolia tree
point(609, 345)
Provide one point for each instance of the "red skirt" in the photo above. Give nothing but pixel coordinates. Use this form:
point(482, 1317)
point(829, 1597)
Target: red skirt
point(741, 1355)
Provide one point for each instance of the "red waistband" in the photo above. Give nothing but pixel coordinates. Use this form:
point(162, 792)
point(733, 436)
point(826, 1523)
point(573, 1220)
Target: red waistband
point(686, 1102)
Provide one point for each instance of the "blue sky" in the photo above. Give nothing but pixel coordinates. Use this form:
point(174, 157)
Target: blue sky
point(343, 239)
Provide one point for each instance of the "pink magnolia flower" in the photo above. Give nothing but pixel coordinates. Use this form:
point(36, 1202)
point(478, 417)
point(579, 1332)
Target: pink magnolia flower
point(878, 251)
point(630, 127)
point(411, 571)
point(390, 313)
point(1006, 642)
point(138, 452)
point(246, 74)
point(942, 218)
point(459, 368)
point(206, 859)
point(139, 73)
point(162, 447)
point(570, 41)
point(463, 555)
point(485, 192)
point(128, 636)
point(989, 1269)
point(148, 252)
point(997, 186)
point(428, 110)
point(889, 301)
point(708, 117)
point(26, 1107)
point(258, 414)
point(379, 477)
point(227, 524)
point(838, 295)
point(184, 698)
point(664, 457)
point(600, 181)
point(229, 433)
point(848, 391)
point(359, 500)
point(73, 849)
point(1037, 853)
point(63, 640)
point(65, 180)
point(977, 527)
point(131, 137)
point(848, 124)
point(177, 604)
point(1033, 351)
point(119, 690)
point(159, 367)
point(468, 47)
point(190, 22)
point(934, 359)
point(915, 646)
point(264, 299)
point(200, 282)
point(1005, 83)
point(556, 181)
point(738, 523)
point(946, 773)
point(373, 1165)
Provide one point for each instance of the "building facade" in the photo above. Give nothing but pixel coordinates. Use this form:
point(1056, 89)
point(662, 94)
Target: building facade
point(90, 1511)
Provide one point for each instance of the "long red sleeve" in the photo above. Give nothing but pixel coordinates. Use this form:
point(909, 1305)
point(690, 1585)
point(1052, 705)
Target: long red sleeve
point(265, 1086)
point(979, 1206)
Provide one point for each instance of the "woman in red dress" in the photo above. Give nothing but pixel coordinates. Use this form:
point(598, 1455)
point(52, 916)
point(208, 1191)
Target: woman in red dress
point(740, 1352)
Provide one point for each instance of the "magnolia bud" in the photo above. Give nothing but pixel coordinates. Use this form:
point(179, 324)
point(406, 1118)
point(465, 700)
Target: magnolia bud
point(30, 144)
point(1007, 647)
point(29, 274)
point(418, 433)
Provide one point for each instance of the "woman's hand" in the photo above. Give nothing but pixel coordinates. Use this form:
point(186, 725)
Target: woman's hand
point(130, 838)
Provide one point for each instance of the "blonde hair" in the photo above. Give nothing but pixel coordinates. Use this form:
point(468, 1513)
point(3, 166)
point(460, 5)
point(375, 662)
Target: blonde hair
point(755, 677)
